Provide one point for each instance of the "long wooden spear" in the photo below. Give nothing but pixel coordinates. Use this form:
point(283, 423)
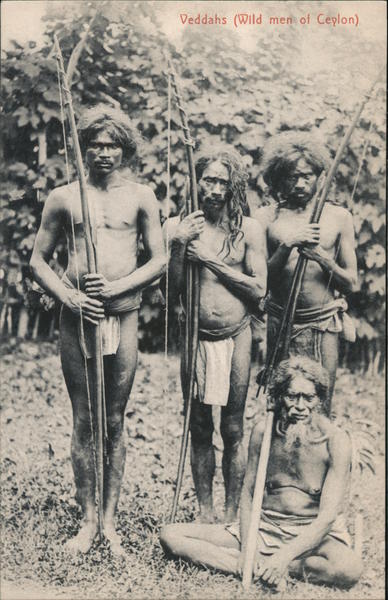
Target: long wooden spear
point(192, 300)
point(97, 360)
point(285, 331)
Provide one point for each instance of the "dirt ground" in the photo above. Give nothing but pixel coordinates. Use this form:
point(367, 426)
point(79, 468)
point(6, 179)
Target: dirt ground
point(39, 512)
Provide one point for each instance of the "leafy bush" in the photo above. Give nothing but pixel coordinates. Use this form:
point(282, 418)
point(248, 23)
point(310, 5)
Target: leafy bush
point(231, 95)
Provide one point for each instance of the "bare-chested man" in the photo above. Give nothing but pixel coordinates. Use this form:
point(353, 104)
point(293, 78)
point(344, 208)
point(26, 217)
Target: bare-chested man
point(292, 163)
point(302, 528)
point(121, 210)
point(229, 247)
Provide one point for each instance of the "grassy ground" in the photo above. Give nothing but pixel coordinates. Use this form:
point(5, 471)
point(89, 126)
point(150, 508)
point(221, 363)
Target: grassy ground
point(39, 511)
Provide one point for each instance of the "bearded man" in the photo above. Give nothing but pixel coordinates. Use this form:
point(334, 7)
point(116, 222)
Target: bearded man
point(121, 211)
point(301, 530)
point(229, 248)
point(292, 164)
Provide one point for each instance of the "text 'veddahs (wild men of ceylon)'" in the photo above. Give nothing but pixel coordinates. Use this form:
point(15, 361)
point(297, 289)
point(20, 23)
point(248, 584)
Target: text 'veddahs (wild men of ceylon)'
point(244, 19)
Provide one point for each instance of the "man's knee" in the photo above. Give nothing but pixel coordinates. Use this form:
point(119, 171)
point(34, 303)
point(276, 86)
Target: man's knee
point(232, 431)
point(169, 539)
point(83, 427)
point(115, 423)
point(340, 570)
point(201, 429)
point(348, 572)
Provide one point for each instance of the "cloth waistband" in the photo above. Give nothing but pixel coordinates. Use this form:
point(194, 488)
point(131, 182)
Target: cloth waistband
point(304, 316)
point(125, 303)
point(224, 332)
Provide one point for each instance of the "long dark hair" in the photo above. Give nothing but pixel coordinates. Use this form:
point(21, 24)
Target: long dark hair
point(236, 195)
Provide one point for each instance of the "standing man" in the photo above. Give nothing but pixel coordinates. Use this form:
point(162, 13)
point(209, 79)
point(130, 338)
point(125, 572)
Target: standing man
point(121, 211)
point(229, 247)
point(292, 163)
point(302, 528)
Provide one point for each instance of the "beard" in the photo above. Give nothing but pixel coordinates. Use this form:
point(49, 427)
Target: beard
point(297, 435)
point(301, 434)
point(210, 202)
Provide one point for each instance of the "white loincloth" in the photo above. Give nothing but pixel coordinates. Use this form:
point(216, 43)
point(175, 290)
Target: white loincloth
point(109, 326)
point(214, 363)
point(110, 336)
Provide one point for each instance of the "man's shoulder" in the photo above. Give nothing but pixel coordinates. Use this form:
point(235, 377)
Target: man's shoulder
point(250, 226)
point(63, 190)
point(339, 442)
point(339, 213)
point(266, 216)
point(257, 433)
point(62, 194)
point(138, 190)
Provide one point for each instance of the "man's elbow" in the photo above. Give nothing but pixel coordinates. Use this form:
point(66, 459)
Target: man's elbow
point(325, 521)
point(159, 266)
point(34, 266)
point(260, 290)
point(352, 285)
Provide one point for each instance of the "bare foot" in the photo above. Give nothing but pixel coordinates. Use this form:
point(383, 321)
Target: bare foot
point(206, 516)
point(114, 541)
point(230, 516)
point(83, 541)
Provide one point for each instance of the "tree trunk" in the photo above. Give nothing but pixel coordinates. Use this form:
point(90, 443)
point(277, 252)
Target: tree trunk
point(364, 355)
point(376, 364)
point(370, 356)
point(35, 329)
point(42, 152)
point(345, 355)
point(9, 318)
point(3, 317)
point(52, 327)
point(23, 323)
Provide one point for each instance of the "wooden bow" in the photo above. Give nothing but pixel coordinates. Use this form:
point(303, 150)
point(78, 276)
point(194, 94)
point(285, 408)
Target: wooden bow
point(191, 300)
point(98, 415)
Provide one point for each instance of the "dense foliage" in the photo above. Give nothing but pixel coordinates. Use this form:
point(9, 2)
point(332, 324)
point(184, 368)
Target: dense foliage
point(235, 95)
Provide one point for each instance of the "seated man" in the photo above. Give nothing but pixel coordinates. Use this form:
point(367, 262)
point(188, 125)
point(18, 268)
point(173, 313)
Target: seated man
point(302, 529)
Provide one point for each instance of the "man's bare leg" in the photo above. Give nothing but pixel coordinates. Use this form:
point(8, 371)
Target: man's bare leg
point(232, 424)
point(202, 458)
point(119, 374)
point(205, 545)
point(328, 349)
point(329, 353)
point(333, 563)
point(82, 452)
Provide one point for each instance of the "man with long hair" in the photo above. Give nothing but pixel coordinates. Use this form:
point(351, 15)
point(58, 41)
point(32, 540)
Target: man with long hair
point(229, 248)
point(292, 164)
point(121, 211)
point(302, 529)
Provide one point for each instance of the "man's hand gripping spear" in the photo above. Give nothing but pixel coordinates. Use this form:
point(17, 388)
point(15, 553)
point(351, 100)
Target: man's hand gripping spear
point(281, 350)
point(97, 409)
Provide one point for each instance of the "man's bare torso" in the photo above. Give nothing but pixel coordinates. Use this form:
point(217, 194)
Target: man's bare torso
point(316, 289)
point(114, 215)
point(219, 307)
point(295, 478)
